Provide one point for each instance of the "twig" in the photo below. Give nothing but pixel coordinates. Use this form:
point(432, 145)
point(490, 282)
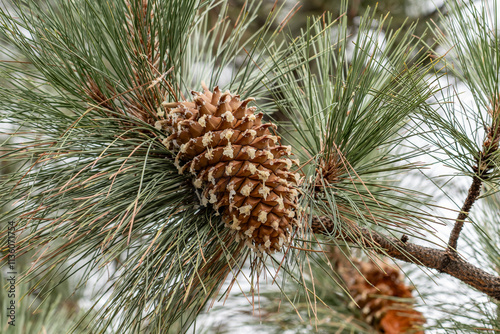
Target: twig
point(412, 253)
point(481, 171)
point(474, 191)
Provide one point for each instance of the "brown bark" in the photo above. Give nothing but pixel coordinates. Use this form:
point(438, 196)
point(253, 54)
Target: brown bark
point(412, 253)
point(474, 191)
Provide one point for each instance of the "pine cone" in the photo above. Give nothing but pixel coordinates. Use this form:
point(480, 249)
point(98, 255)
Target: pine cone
point(376, 292)
point(237, 163)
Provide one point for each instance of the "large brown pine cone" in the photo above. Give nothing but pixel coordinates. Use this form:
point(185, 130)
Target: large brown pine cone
point(238, 164)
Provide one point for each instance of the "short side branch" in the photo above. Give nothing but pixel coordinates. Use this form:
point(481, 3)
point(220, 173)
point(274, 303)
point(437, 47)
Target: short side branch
point(408, 252)
point(474, 191)
point(481, 171)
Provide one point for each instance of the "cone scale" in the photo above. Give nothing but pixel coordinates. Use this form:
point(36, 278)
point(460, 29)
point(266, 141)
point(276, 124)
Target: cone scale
point(237, 164)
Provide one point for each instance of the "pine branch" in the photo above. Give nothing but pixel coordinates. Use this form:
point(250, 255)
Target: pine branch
point(474, 191)
point(412, 253)
point(484, 165)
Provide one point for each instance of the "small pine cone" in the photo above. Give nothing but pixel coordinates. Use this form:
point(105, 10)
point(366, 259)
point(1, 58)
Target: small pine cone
point(375, 292)
point(237, 163)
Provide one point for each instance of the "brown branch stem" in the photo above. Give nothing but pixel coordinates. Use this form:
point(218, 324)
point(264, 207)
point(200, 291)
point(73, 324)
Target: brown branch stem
point(474, 191)
point(412, 253)
point(481, 171)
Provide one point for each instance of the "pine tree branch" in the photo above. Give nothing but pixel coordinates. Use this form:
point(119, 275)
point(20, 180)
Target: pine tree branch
point(474, 191)
point(481, 171)
point(412, 253)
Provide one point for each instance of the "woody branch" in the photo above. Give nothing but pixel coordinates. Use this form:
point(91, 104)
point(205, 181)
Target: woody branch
point(481, 173)
point(412, 253)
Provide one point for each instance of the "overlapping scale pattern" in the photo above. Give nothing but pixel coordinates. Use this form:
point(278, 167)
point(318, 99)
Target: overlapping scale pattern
point(237, 163)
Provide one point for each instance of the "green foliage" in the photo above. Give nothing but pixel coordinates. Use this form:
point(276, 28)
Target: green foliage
point(469, 41)
point(347, 112)
point(96, 193)
point(56, 314)
point(96, 187)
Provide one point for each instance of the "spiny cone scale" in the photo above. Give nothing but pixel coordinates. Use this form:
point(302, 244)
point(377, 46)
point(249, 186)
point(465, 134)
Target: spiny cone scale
point(237, 163)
